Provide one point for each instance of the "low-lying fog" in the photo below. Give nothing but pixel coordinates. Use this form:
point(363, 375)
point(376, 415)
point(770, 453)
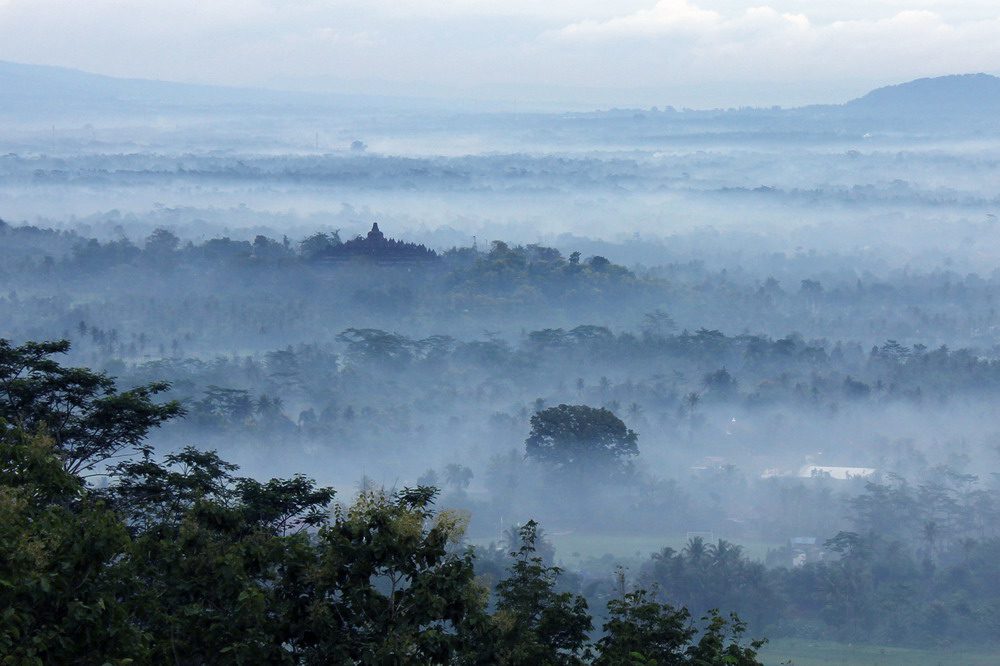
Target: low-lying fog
point(801, 327)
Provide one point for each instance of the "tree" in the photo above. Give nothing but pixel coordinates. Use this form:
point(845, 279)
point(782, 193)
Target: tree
point(640, 630)
point(657, 324)
point(513, 539)
point(457, 476)
point(62, 574)
point(180, 560)
point(580, 437)
point(162, 243)
point(721, 643)
point(388, 588)
point(428, 478)
point(371, 345)
point(599, 263)
point(720, 384)
point(218, 563)
point(88, 419)
point(534, 623)
point(319, 244)
point(811, 288)
point(267, 248)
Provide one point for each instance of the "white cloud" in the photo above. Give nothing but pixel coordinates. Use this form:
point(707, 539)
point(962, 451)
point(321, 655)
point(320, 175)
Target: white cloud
point(672, 51)
point(679, 44)
point(561, 10)
point(666, 17)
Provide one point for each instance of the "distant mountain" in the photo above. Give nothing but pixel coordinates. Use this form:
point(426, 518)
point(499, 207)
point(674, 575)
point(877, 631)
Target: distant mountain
point(42, 90)
point(965, 94)
point(38, 92)
point(54, 89)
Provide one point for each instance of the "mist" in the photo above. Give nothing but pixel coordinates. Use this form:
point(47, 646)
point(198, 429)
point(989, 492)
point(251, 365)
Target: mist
point(794, 311)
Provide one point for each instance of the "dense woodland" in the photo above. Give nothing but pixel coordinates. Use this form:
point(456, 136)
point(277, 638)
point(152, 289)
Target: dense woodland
point(304, 380)
point(180, 560)
point(706, 432)
point(277, 290)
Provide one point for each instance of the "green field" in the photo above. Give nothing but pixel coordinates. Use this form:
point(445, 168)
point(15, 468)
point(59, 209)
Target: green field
point(572, 548)
point(575, 548)
point(818, 653)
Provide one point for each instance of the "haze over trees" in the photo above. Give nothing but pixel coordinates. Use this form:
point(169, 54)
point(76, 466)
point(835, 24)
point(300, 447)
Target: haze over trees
point(179, 560)
point(578, 438)
point(299, 380)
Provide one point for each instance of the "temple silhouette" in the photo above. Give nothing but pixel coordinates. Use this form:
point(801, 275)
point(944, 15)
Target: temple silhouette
point(376, 247)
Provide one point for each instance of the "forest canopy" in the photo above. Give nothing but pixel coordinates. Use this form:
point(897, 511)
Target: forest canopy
point(176, 559)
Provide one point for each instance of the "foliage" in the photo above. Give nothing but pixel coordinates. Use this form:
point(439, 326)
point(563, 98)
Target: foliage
point(536, 624)
point(181, 561)
point(721, 643)
point(641, 631)
point(703, 576)
point(62, 574)
point(575, 437)
point(388, 588)
point(89, 421)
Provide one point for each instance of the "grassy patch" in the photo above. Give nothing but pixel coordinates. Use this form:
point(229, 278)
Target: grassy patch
point(572, 547)
point(575, 548)
point(820, 653)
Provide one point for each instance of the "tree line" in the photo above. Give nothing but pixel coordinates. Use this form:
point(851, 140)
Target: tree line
point(114, 554)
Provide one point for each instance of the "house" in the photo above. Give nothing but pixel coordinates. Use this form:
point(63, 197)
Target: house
point(838, 473)
point(813, 471)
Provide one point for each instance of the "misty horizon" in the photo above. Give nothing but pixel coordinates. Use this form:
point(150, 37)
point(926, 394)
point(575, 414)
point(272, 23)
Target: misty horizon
point(493, 99)
point(572, 333)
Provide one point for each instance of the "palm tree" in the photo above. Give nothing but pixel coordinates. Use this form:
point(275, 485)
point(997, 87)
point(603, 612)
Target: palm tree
point(695, 551)
point(724, 553)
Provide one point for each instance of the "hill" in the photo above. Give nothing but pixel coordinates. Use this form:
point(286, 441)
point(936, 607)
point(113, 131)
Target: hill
point(42, 90)
point(37, 87)
point(964, 94)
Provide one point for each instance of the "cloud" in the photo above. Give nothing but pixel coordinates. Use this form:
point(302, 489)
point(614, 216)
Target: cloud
point(665, 18)
point(681, 44)
point(533, 9)
point(679, 52)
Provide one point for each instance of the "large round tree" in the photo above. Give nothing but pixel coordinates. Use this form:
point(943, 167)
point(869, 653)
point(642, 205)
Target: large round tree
point(580, 437)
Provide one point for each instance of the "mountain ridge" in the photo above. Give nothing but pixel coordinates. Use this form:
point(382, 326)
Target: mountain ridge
point(30, 87)
point(950, 94)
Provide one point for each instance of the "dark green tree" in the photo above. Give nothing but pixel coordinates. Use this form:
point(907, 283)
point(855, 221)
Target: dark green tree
point(639, 630)
point(88, 419)
point(580, 437)
point(389, 588)
point(216, 560)
point(721, 642)
point(319, 244)
point(63, 573)
point(162, 242)
point(534, 623)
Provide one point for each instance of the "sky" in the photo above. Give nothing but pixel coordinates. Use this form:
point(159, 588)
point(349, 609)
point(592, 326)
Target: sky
point(580, 53)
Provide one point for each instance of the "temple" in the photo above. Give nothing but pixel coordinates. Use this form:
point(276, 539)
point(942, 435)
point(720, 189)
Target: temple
point(375, 235)
point(375, 246)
